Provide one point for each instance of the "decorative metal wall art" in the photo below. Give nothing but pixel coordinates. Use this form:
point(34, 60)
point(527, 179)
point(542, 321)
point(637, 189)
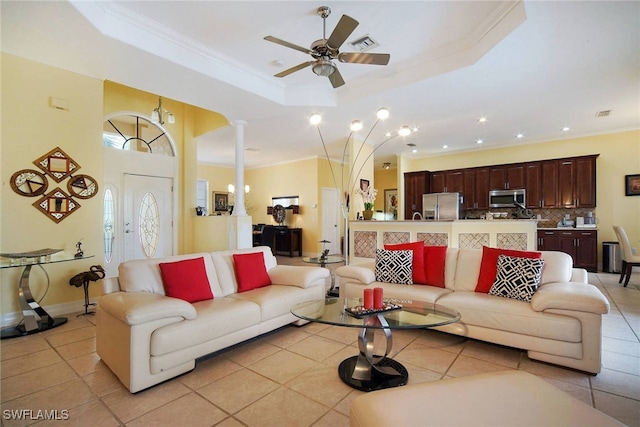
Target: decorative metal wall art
point(57, 205)
point(58, 165)
point(29, 183)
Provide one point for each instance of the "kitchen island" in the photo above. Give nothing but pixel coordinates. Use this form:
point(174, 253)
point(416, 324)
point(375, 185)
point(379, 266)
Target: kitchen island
point(367, 236)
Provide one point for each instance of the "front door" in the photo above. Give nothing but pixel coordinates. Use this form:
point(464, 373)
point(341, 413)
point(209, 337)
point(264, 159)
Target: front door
point(148, 225)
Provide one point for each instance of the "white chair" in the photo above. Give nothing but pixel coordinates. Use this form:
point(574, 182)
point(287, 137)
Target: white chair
point(629, 260)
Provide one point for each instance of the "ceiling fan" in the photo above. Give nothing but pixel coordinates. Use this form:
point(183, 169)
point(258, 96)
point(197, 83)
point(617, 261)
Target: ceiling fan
point(325, 50)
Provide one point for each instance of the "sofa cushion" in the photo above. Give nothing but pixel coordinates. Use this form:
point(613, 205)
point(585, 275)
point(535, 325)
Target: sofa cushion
point(216, 318)
point(418, 263)
point(394, 266)
point(186, 279)
point(225, 270)
point(143, 275)
point(250, 271)
point(489, 265)
point(510, 315)
point(517, 278)
point(434, 264)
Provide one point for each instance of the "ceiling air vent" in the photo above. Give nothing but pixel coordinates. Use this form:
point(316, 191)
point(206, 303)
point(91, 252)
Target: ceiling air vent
point(603, 113)
point(411, 144)
point(363, 44)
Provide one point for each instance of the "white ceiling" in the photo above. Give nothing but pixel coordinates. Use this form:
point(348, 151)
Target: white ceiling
point(531, 67)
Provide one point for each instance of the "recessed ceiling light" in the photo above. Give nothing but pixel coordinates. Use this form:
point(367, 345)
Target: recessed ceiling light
point(277, 63)
point(414, 150)
point(566, 129)
point(445, 146)
point(482, 119)
point(388, 134)
point(519, 136)
point(415, 128)
point(479, 141)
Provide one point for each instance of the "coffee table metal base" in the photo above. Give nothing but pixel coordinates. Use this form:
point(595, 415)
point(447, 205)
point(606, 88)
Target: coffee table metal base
point(378, 379)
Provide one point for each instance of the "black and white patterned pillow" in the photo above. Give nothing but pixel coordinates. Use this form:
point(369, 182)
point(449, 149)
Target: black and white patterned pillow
point(517, 278)
point(394, 266)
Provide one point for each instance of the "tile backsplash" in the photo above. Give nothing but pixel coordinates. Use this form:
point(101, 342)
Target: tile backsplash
point(553, 216)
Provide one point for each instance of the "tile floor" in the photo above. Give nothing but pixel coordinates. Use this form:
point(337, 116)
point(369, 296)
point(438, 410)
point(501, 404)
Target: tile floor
point(289, 377)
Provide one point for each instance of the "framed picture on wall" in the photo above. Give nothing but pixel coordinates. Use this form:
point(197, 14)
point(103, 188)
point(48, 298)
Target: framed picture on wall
point(364, 184)
point(220, 202)
point(391, 203)
point(632, 185)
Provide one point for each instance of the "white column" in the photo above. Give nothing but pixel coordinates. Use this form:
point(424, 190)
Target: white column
point(238, 207)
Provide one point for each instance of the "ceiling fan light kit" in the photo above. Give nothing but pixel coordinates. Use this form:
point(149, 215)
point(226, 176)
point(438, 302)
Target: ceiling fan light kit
point(325, 50)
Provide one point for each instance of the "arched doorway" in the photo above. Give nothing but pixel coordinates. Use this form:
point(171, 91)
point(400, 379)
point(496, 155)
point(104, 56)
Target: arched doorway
point(140, 204)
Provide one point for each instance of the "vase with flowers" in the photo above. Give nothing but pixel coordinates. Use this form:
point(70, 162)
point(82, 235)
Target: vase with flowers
point(368, 197)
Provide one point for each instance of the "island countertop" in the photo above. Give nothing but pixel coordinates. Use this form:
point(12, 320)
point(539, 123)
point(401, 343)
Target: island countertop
point(367, 236)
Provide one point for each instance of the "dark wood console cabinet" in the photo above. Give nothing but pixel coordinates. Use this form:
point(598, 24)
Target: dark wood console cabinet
point(288, 240)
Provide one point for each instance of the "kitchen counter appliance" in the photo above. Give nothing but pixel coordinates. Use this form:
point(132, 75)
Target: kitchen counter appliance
point(507, 198)
point(441, 206)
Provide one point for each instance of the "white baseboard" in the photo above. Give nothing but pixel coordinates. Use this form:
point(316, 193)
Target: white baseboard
point(57, 310)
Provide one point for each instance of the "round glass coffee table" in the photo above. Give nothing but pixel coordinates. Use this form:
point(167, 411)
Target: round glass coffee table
point(368, 371)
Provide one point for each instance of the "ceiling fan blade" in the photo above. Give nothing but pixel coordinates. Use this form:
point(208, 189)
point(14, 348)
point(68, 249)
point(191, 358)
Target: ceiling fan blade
point(345, 27)
point(364, 58)
point(294, 69)
point(287, 44)
point(336, 79)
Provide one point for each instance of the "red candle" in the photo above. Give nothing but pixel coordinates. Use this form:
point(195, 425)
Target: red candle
point(368, 299)
point(377, 298)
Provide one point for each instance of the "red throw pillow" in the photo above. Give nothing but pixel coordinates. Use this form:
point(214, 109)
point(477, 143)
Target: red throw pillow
point(251, 272)
point(434, 260)
point(186, 280)
point(417, 275)
point(489, 265)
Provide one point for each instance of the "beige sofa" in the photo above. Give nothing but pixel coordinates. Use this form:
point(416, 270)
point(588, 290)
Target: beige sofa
point(561, 325)
point(504, 398)
point(146, 337)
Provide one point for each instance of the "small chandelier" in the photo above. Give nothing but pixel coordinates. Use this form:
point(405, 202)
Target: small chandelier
point(157, 114)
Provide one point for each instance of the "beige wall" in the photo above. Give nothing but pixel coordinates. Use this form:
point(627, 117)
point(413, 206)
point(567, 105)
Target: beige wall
point(31, 128)
point(288, 179)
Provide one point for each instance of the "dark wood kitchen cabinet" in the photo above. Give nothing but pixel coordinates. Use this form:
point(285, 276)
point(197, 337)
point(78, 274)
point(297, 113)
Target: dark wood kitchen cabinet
point(415, 185)
point(533, 179)
point(450, 181)
point(581, 245)
point(569, 183)
point(476, 188)
point(549, 184)
point(507, 177)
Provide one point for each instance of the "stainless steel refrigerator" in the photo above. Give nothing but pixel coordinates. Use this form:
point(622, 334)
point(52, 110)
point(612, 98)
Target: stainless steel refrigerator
point(441, 206)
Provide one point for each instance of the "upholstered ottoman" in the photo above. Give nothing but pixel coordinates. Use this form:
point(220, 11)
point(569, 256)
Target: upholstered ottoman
point(508, 398)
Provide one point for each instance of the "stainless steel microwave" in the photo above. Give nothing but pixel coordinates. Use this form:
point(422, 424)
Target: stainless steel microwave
point(507, 198)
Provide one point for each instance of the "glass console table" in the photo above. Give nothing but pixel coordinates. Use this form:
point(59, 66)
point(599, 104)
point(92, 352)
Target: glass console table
point(34, 317)
point(368, 371)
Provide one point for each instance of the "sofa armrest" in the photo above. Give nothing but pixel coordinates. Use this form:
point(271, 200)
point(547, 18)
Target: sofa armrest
point(570, 296)
point(354, 273)
point(296, 275)
point(579, 275)
point(134, 308)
